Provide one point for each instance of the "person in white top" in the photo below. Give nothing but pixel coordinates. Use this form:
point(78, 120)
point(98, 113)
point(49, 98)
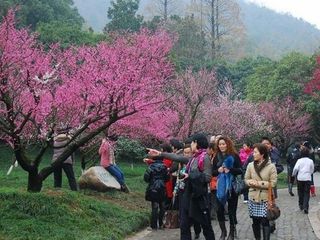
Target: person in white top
point(303, 170)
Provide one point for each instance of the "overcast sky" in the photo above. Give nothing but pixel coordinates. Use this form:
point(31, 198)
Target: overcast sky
point(309, 10)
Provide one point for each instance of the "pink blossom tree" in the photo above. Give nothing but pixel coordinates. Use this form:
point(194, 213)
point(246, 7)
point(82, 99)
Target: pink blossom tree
point(88, 89)
point(238, 119)
point(313, 87)
point(191, 92)
point(287, 119)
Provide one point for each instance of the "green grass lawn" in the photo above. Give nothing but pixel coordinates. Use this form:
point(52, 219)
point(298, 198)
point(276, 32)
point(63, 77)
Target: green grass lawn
point(63, 214)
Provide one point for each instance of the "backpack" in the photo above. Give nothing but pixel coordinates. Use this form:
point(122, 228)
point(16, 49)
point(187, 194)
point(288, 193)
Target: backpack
point(156, 190)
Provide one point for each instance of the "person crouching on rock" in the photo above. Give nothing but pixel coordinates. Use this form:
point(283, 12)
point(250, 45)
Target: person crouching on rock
point(107, 161)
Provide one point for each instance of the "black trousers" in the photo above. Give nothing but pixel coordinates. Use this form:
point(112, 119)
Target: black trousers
point(304, 194)
point(232, 209)
point(68, 169)
point(257, 221)
point(186, 222)
point(157, 214)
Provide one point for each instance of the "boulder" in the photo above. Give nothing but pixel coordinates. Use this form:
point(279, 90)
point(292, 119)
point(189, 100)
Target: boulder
point(99, 179)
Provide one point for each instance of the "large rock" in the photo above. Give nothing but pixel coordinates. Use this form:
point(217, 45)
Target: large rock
point(99, 179)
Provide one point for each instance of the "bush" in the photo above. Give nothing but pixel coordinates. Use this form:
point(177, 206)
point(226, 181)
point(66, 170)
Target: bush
point(129, 150)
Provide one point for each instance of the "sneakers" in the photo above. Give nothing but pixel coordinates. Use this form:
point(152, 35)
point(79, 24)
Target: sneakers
point(151, 229)
point(245, 201)
point(291, 194)
point(124, 188)
point(305, 211)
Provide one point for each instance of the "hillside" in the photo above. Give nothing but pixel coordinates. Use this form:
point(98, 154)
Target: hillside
point(272, 34)
point(269, 33)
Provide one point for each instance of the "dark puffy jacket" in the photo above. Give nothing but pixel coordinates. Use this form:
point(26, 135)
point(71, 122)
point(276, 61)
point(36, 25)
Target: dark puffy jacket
point(156, 175)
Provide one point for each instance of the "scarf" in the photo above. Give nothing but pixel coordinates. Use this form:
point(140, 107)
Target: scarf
point(198, 156)
point(224, 186)
point(258, 167)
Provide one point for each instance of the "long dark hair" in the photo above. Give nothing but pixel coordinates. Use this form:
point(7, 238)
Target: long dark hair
point(231, 150)
point(263, 150)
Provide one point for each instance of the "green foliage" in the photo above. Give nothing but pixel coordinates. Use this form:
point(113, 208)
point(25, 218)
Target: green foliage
point(66, 34)
point(153, 24)
point(279, 79)
point(129, 150)
point(282, 180)
point(32, 12)
point(243, 69)
point(190, 48)
point(122, 14)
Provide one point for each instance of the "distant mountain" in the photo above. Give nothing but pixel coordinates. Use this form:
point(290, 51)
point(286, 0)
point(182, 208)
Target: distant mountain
point(272, 34)
point(269, 33)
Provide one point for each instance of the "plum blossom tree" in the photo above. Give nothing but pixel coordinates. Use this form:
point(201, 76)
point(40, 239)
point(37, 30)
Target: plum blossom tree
point(313, 87)
point(238, 119)
point(191, 92)
point(287, 119)
point(87, 89)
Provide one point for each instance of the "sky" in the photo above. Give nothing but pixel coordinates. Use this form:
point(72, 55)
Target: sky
point(308, 10)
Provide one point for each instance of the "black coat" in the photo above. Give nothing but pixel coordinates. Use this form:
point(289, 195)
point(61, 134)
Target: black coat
point(156, 175)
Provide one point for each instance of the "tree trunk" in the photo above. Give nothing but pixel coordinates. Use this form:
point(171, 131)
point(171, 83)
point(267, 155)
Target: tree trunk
point(213, 33)
point(165, 10)
point(34, 181)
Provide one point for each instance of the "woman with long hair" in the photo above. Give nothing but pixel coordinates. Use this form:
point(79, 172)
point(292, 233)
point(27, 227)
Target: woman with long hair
point(259, 175)
point(227, 163)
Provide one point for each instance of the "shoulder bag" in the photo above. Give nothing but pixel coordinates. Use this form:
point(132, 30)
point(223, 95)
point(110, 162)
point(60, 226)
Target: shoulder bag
point(273, 211)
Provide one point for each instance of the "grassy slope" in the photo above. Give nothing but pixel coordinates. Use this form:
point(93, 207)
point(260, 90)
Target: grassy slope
point(62, 214)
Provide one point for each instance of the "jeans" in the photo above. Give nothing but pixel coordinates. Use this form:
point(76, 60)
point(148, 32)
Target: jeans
point(115, 171)
point(304, 194)
point(68, 169)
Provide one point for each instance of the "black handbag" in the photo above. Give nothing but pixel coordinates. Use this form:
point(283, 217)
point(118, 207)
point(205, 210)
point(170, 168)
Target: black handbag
point(273, 211)
point(238, 185)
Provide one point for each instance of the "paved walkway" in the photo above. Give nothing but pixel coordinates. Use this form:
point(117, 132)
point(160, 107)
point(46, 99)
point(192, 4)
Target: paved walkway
point(292, 224)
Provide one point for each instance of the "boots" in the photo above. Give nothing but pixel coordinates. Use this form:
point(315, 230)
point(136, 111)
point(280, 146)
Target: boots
point(266, 232)
point(223, 230)
point(231, 233)
point(256, 231)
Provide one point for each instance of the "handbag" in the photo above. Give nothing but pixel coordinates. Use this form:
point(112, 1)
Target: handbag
point(171, 217)
point(273, 211)
point(213, 183)
point(238, 185)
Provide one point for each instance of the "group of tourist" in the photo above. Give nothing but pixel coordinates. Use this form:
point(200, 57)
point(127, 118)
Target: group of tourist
point(202, 173)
